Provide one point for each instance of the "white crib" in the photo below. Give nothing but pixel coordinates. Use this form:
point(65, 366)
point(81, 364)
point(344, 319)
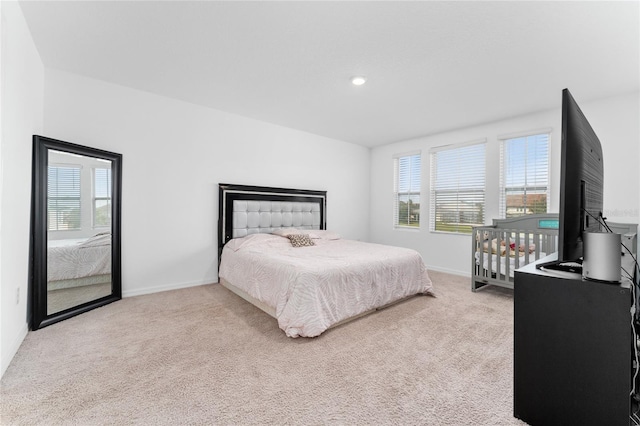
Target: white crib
point(499, 249)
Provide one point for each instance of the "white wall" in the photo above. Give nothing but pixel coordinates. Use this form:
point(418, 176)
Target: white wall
point(615, 121)
point(21, 90)
point(174, 156)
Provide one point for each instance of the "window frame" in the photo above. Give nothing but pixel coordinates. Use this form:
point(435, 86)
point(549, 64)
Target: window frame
point(503, 187)
point(459, 228)
point(95, 197)
point(411, 193)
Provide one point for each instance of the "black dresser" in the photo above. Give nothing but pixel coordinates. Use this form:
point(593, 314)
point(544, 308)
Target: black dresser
point(573, 356)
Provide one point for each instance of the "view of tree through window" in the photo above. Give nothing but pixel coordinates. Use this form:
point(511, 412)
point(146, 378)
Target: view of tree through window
point(525, 175)
point(407, 190)
point(102, 197)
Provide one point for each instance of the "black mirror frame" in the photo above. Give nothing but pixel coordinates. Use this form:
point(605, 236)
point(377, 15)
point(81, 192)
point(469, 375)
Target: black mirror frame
point(38, 317)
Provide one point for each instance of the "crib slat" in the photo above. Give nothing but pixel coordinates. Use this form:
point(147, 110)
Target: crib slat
point(481, 251)
point(499, 258)
point(508, 239)
point(517, 250)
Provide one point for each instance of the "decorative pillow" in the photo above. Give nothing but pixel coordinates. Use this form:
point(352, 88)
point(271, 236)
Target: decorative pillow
point(285, 232)
point(301, 240)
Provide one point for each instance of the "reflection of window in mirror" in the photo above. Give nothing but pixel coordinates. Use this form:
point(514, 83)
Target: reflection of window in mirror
point(79, 196)
point(63, 198)
point(102, 197)
point(79, 224)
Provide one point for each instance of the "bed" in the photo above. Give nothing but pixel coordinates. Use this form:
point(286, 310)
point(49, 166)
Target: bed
point(315, 283)
point(81, 262)
point(508, 244)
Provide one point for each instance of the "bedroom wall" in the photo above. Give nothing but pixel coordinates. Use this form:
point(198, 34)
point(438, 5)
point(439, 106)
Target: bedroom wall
point(174, 156)
point(616, 121)
point(21, 115)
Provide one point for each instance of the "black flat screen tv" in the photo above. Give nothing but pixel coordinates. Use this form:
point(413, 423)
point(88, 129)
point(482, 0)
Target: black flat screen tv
point(581, 182)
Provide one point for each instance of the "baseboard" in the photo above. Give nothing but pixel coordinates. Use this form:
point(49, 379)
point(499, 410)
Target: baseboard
point(166, 287)
point(449, 271)
point(7, 356)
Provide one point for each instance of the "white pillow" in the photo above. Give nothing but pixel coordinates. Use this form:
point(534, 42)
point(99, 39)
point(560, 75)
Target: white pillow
point(249, 240)
point(102, 239)
point(321, 234)
point(285, 232)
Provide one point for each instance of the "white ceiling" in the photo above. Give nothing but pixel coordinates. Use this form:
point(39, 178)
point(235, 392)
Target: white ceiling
point(431, 66)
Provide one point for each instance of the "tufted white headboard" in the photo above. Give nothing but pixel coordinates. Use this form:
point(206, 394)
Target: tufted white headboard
point(245, 210)
point(251, 217)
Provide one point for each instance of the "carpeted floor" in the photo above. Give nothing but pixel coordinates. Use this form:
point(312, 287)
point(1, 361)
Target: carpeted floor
point(202, 356)
point(59, 300)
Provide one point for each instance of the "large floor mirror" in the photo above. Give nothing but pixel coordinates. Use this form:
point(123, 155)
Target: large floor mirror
point(75, 230)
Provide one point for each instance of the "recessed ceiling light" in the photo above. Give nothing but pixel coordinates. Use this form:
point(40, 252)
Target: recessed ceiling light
point(358, 80)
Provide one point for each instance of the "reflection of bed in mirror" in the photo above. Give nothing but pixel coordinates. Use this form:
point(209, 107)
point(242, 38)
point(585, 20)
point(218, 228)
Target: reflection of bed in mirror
point(78, 270)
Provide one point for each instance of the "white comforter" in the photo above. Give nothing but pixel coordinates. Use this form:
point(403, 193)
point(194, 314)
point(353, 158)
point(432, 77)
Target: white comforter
point(312, 288)
point(71, 259)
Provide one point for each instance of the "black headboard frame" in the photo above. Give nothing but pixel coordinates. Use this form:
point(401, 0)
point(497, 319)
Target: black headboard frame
point(229, 193)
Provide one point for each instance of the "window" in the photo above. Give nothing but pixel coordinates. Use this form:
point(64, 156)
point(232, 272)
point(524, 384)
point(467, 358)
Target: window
point(457, 187)
point(524, 175)
point(407, 190)
point(101, 197)
point(63, 198)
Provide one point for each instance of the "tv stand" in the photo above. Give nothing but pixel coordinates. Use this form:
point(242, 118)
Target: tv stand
point(555, 265)
point(572, 348)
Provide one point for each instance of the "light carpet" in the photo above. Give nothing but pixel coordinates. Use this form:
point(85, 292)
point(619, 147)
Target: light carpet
point(203, 356)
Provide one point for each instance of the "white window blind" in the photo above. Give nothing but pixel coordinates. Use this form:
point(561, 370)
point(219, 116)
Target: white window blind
point(407, 177)
point(524, 175)
point(63, 198)
point(457, 187)
point(101, 197)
